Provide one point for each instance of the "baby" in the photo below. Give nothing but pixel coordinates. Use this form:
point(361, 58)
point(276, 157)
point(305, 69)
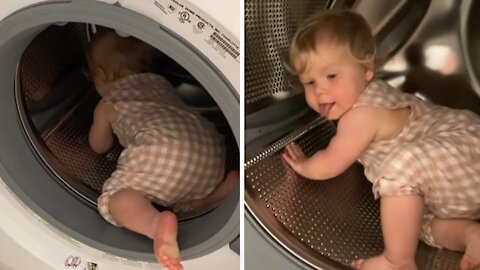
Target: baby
point(423, 159)
point(172, 155)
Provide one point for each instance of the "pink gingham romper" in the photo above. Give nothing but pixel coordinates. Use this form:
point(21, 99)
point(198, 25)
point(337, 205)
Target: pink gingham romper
point(172, 155)
point(436, 156)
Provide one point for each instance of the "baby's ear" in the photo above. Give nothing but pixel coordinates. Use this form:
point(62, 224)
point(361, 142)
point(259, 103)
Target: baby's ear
point(104, 75)
point(369, 70)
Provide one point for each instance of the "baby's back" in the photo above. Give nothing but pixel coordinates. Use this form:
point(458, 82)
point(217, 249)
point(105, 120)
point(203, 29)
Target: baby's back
point(171, 153)
point(150, 112)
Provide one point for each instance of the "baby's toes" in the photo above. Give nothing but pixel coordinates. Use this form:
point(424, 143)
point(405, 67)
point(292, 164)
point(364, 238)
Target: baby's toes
point(467, 264)
point(175, 266)
point(171, 264)
point(471, 257)
point(464, 264)
point(357, 264)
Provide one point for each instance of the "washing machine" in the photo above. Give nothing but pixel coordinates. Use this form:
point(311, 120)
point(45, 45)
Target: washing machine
point(50, 179)
point(293, 223)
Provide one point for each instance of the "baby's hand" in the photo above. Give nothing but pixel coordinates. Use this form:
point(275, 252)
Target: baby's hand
point(295, 157)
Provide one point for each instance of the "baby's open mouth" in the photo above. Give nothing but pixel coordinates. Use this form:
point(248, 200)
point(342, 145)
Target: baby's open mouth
point(325, 108)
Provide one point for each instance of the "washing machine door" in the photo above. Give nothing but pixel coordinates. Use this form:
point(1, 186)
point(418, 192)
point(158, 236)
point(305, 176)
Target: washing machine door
point(49, 217)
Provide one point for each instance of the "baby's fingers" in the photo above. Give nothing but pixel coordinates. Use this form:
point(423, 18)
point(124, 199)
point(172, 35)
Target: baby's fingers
point(295, 150)
point(291, 152)
point(289, 159)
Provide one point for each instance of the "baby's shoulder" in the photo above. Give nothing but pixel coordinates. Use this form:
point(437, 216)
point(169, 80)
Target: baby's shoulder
point(387, 123)
point(366, 112)
point(368, 117)
point(362, 115)
point(107, 110)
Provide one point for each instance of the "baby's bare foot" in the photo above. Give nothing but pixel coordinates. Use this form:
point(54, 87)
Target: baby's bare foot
point(165, 241)
point(227, 185)
point(381, 262)
point(471, 258)
point(218, 194)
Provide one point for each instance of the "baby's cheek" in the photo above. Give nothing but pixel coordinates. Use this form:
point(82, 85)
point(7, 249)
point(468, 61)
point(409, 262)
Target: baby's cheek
point(311, 101)
point(100, 88)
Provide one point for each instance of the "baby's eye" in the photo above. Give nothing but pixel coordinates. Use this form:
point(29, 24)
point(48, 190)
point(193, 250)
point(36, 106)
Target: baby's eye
point(331, 76)
point(307, 83)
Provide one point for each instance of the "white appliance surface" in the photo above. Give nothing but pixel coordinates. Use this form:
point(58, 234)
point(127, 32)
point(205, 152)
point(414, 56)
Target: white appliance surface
point(14, 257)
point(223, 11)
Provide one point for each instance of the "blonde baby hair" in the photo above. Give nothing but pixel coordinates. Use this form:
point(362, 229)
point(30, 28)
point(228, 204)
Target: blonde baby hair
point(119, 56)
point(342, 27)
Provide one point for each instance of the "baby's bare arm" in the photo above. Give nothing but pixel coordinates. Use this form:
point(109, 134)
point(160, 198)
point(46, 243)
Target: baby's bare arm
point(101, 136)
point(356, 130)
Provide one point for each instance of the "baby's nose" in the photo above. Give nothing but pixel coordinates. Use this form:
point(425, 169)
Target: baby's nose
point(319, 90)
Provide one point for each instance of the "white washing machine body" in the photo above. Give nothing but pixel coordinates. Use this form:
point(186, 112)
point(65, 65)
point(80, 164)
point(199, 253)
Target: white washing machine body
point(211, 29)
point(28, 242)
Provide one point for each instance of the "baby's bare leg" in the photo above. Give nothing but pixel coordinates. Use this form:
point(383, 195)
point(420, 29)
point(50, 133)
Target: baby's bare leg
point(135, 212)
point(401, 218)
point(218, 194)
point(459, 235)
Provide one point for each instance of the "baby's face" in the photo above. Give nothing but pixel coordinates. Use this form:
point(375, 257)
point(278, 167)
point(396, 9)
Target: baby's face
point(333, 80)
point(101, 84)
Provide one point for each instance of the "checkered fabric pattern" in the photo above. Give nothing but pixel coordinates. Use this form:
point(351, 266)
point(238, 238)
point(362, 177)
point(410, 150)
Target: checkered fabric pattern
point(172, 154)
point(437, 156)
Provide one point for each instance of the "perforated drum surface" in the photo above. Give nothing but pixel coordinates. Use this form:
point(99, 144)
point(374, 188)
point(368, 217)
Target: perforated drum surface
point(45, 59)
point(68, 142)
point(269, 25)
point(325, 223)
point(64, 142)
